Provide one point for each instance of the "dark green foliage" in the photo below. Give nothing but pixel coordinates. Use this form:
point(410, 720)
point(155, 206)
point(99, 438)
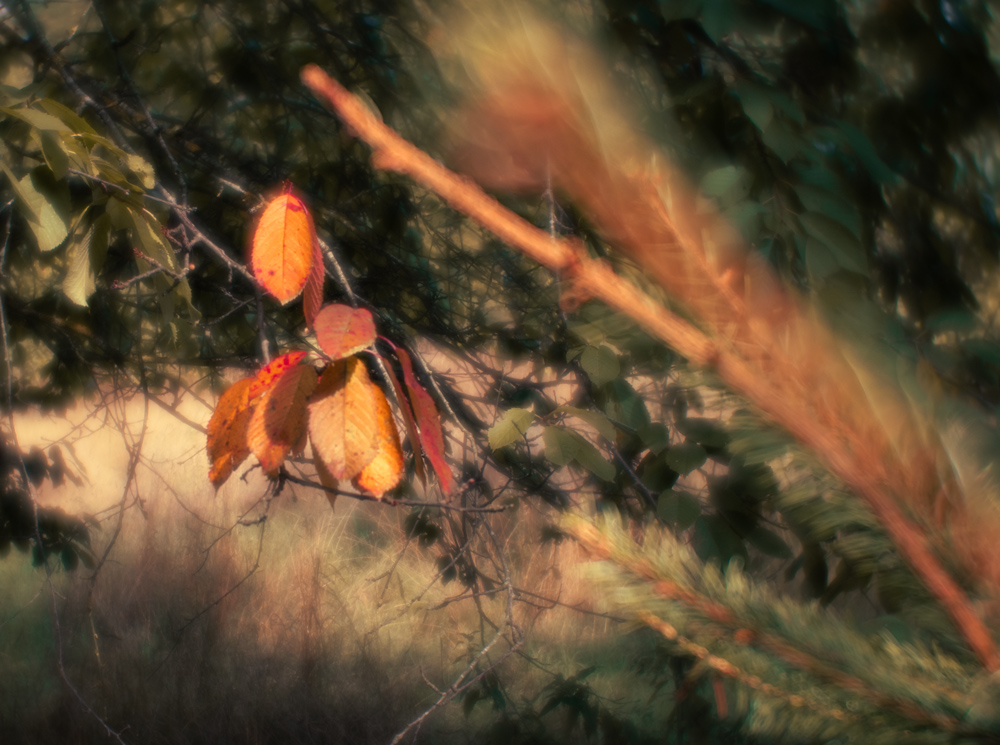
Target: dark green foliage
point(43, 531)
point(853, 144)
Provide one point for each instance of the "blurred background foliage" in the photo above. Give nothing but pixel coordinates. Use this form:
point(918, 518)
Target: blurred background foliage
point(854, 144)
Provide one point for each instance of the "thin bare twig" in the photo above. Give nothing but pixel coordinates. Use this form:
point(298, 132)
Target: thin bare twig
point(466, 679)
point(390, 502)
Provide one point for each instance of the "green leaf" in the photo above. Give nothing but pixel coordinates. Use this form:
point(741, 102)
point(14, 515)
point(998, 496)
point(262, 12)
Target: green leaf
point(561, 445)
point(678, 508)
point(22, 197)
point(79, 281)
point(591, 458)
point(709, 432)
point(686, 456)
point(37, 119)
point(16, 80)
point(119, 212)
point(142, 169)
point(55, 155)
point(656, 474)
point(149, 233)
point(655, 436)
point(717, 18)
point(147, 230)
point(755, 104)
point(595, 419)
point(820, 260)
point(46, 214)
point(784, 140)
point(866, 152)
point(84, 258)
point(832, 205)
point(622, 404)
point(845, 248)
point(79, 155)
point(720, 182)
point(818, 176)
point(769, 543)
point(112, 171)
point(601, 364)
point(511, 428)
point(71, 119)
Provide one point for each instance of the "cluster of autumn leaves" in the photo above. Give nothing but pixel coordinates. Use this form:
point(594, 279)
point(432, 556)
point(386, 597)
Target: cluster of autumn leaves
point(338, 410)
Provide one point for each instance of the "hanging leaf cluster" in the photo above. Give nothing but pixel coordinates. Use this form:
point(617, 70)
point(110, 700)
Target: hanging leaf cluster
point(339, 410)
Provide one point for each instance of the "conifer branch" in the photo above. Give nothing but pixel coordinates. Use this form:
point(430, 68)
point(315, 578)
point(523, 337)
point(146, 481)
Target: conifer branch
point(728, 669)
point(766, 347)
point(864, 670)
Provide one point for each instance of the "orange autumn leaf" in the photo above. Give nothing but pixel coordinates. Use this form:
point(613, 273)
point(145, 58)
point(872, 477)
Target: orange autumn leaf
point(428, 421)
point(279, 419)
point(282, 253)
point(273, 370)
point(325, 478)
point(386, 468)
point(411, 426)
point(312, 295)
point(227, 431)
point(342, 330)
point(342, 419)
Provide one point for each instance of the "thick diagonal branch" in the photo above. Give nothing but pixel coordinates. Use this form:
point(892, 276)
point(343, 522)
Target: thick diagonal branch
point(594, 279)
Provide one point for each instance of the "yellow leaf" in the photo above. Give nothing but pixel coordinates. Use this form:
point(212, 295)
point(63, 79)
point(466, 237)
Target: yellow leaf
point(386, 468)
point(342, 419)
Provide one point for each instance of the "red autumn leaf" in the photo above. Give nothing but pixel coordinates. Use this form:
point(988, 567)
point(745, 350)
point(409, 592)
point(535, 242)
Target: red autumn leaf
point(282, 252)
point(325, 478)
point(278, 422)
point(277, 367)
point(411, 426)
point(312, 295)
point(227, 431)
point(428, 421)
point(342, 330)
point(342, 419)
point(386, 468)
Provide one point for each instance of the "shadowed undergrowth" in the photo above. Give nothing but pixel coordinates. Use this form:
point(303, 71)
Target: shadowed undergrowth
point(338, 635)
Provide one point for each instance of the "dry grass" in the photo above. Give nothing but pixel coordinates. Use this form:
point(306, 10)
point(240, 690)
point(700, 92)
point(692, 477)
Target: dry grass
point(324, 642)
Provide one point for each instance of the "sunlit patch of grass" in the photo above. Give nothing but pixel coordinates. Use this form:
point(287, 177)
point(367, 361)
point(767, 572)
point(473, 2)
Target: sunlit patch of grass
point(338, 635)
